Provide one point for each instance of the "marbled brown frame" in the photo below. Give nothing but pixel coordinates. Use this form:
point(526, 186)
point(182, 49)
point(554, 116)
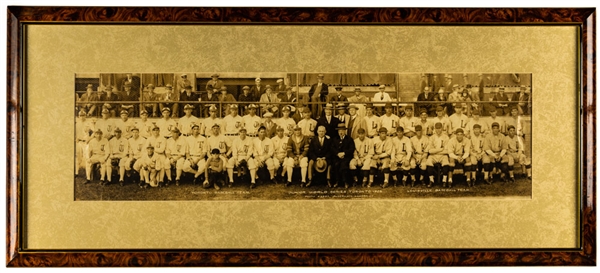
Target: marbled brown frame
point(584, 18)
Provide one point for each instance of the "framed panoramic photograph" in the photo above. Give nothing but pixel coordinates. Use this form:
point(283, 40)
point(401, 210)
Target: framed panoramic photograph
point(301, 136)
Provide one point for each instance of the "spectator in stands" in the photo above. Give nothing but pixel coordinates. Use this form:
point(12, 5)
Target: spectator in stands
point(134, 81)
point(225, 97)
point(521, 100)
point(169, 100)
point(317, 95)
point(280, 88)
point(440, 100)
point(381, 96)
point(149, 96)
point(258, 89)
point(358, 97)
point(109, 97)
point(128, 96)
point(245, 98)
point(214, 82)
point(426, 96)
point(211, 96)
point(501, 102)
point(182, 82)
point(454, 98)
point(338, 97)
point(289, 95)
point(267, 99)
point(189, 96)
point(89, 96)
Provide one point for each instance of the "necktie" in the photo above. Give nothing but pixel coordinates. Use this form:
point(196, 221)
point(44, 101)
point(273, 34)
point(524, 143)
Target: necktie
point(381, 98)
point(321, 141)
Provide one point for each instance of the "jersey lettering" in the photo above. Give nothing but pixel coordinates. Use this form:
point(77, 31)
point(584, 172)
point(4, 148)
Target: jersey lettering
point(102, 147)
point(121, 148)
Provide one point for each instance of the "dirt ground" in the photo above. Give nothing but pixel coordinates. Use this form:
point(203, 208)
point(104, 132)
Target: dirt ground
point(319, 190)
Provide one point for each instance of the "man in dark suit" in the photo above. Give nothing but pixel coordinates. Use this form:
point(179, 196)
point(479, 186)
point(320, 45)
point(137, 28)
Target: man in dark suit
point(209, 96)
point(426, 95)
point(521, 100)
point(329, 121)
point(187, 97)
point(288, 96)
point(318, 94)
point(109, 97)
point(320, 156)
point(258, 89)
point(129, 95)
point(501, 102)
point(343, 152)
point(338, 97)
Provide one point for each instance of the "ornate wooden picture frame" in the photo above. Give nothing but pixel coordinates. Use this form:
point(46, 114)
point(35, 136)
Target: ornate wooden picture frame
point(19, 256)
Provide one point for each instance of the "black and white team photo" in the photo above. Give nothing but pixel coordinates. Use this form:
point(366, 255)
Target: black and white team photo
point(302, 136)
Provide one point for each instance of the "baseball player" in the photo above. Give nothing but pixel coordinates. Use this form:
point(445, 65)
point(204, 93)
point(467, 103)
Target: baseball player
point(232, 123)
point(175, 155)
point(83, 133)
point(494, 118)
point(515, 121)
point(263, 150)
point(438, 154)
point(459, 149)
point(389, 121)
point(409, 121)
point(476, 152)
point(516, 153)
point(119, 151)
point(362, 157)
point(159, 144)
point(280, 141)
point(186, 122)
point(213, 172)
point(441, 118)
point(144, 124)
point(219, 141)
point(241, 154)
point(476, 120)
point(196, 154)
point(150, 166)
point(495, 147)
point(307, 124)
point(98, 153)
point(210, 122)
point(136, 145)
point(382, 152)
point(373, 122)
point(251, 121)
point(402, 163)
point(125, 124)
point(105, 124)
point(166, 124)
point(420, 144)
point(426, 125)
point(458, 120)
point(286, 122)
point(297, 151)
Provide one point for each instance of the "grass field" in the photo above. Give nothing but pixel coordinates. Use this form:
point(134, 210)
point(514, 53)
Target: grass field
point(319, 190)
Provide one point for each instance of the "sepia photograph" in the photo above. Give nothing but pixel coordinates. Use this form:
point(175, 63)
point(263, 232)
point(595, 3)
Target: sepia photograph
point(291, 136)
